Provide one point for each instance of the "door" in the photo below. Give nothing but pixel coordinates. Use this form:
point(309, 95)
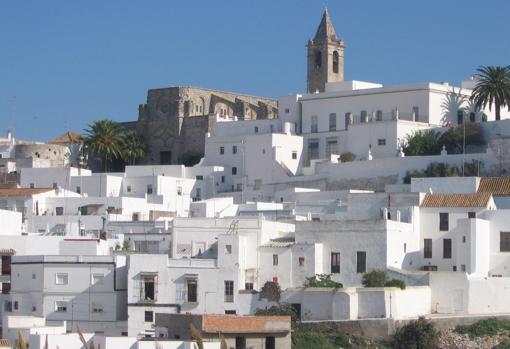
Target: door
point(458, 301)
point(270, 343)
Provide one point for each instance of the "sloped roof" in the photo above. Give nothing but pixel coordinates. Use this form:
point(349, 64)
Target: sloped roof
point(495, 185)
point(212, 323)
point(68, 137)
point(5, 343)
point(456, 200)
point(280, 242)
point(7, 251)
point(326, 30)
point(23, 191)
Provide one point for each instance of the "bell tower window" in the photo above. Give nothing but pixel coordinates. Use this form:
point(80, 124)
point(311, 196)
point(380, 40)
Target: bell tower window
point(318, 59)
point(335, 62)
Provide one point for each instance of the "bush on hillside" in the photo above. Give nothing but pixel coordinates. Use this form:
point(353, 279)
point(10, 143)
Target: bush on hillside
point(310, 339)
point(419, 334)
point(379, 278)
point(484, 328)
point(347, 157)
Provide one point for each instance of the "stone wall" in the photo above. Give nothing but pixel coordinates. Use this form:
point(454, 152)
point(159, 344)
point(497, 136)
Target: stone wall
point(174, 121)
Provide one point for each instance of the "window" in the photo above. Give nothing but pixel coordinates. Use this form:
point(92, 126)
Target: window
point(318, 59)
point(222, 150)
point(447, 248)
point(335, 262)
point(33, 276)
point(275, 259)
point(240, 343)
point(191, 287)
point(427, 248)
point(32, 186)
point(463, 267)
point(179, 190)
point(294, 155)
point(256, 129)
point(97, 308)
point(97, 278)
point(135, 217)
point(199, 178)
point(378, 115)
point(443, 221)
point(405, 247)
point(248, 285)
point(229, 291)
point(454, 268)
point(335, 62)
point(222, 179)
point(364, 116)
point(59, 211)
point(78, 189)
point(381, 141)
point(61, 306)
point(149, 316)
point(149, 188)
point(234, 171)
point(55, 185)
point(165, 157)
point(331, 147)
point(34, 308)
point(230, 312)
point(228, 249)
point(332, 122)
point(504, 241)
point(301, 261)
point(16, 305)
point(460, 117)
point(287, 110)
point(348, 120)
point(472, 117)
point(314, 126)
point(313, 150)
point(361, 262)
point(234, 149)
point(61, 279)
point(463, 239)
point(471, 214)
point(128, 189)
point(148, 288)
point(198, 192)
point(416, 113)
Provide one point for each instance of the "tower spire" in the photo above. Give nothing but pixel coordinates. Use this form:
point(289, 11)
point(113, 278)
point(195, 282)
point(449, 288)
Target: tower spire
point(325, 30)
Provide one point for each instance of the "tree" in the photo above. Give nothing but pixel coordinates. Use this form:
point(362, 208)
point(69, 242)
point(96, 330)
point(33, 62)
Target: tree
point(283, 309)
point(104, 139)
point(379, 278)
point(422, 143)
point(132, 147)
point(454, 139)
point(493, 87)
point(419, 334)
point(322, 280)
point(270, 291)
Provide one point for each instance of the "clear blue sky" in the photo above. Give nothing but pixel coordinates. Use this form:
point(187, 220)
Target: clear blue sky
point(70, 62)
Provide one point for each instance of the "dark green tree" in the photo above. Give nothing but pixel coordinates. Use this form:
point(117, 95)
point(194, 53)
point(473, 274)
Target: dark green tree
point(493, 87)
point(419, 334)
point(104, 139)
point(132, 147)
point(422, 143)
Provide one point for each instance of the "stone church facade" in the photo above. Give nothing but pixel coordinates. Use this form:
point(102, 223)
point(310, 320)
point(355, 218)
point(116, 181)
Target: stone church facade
point(174, 121)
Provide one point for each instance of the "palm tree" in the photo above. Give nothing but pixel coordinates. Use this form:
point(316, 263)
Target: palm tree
point(132, 147)
point(104, 138)
point(493, 87)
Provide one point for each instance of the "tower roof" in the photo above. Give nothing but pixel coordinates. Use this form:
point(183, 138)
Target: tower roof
point(326, 30)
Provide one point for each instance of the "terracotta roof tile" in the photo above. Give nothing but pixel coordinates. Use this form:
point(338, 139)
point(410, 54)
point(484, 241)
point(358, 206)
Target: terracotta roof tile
point(68, 137)
point(23, 191)
point(245, 324)
point(7, 251)
point(280, 242)
point(495, 185)
point(5, 343)
point(456, 200)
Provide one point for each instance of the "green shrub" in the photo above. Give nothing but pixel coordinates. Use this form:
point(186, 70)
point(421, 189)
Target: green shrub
point(484, 328)
point(375, 278)
point(396, 283)
point(347, 157)
point(270, 291)
point(310, 340)
point(322, 280)
point(277, 310)
point(419, 334)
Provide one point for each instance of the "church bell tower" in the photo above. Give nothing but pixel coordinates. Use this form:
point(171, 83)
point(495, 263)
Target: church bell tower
point(325, 56)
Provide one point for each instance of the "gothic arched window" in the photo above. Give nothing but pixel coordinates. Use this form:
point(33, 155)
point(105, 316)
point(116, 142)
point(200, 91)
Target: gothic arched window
point(318, 59)
point(335, 62)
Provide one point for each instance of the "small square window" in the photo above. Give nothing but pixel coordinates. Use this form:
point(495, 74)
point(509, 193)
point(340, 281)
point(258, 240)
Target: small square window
point(33, 276)
point(55, 185)
point(78, 189)
point(471, 214)
point(287, 110)
point(61, 306)
point(61, 279)
point(248, 286)
point(128, 189)
point(234, 149)
point(301, 261)
point(222, 150)
point(59, 211)
point(228, 249)
point(32, 186)
point(149, 189)
point(34, 308)
point(149, 316)
point(199, 178)
point(294, 155)
point(381, 141)
point(234, 171)
point(256, 129)
point(222, 179)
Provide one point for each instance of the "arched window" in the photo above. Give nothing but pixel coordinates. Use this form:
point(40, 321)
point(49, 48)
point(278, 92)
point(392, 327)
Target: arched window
point(335, 62)
point(378, 115)
point(318, 59)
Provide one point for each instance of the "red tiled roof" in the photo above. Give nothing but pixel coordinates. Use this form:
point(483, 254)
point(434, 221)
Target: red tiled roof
point(495, 185)
point(245, 324)
point(23, 191)
point(7, 251)
point(5, 343)
point(456, 200)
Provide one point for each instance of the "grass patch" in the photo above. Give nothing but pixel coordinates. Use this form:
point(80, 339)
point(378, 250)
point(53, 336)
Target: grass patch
point(485, 328)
